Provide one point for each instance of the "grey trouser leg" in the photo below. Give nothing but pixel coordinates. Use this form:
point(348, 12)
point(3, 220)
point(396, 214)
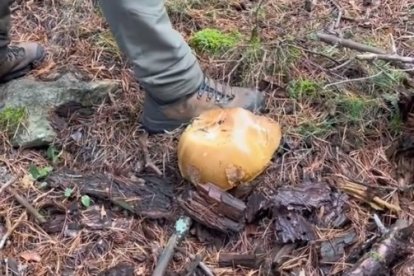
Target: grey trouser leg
point(4, 25)
point(163, 62)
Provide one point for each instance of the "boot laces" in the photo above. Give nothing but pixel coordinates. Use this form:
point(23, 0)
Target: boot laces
point(213, 91)
point(15, 52)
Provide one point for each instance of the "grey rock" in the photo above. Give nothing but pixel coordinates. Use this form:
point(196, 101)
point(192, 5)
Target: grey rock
point(41, 97)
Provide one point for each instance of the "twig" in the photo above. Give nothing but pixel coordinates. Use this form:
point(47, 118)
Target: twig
point(27, 205)
point(11, 230)
point(147, 159)
point(313, 52)
point(393, 46)
point(380, 225)
point(352, 80)
point(391, 57)
point(202, 265)
point(341, 65)
point(340, 13)
point(331, 39)
point(205, 269)
point(193, 266)
point(182, 226)
point(392, 246)
point(255, 31)
point(7, 184)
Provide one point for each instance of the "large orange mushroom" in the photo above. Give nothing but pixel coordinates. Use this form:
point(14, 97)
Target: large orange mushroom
point(227, 147)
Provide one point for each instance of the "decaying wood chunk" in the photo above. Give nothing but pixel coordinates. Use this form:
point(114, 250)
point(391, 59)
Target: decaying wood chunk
point(244, 260)
point(257, 205)
point(385, 252)
point(149, 196)
point(214, 208)
point(292, 227)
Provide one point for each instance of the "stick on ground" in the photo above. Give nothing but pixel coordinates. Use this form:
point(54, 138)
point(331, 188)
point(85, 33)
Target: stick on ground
point(7, 184)
point(143, 141)
point(390, 248)
point(378, 53)
point(331, 39)
point(27, 205)
point(11, 230)
point(182, 226)
point(207, 271)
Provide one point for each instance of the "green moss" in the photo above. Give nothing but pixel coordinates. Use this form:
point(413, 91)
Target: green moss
point(11, 118)
point(213, 41)
point(356, 108)
point(388, 80)
point(396, 123)
point(315, 128)
point(299, 89)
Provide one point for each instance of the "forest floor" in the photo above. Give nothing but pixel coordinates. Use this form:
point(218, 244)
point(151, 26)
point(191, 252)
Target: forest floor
point(339, 115)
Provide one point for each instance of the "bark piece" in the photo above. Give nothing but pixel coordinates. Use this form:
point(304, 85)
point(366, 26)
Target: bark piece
point(332, 250)
point(296, 208)
point(236, 260)
point(257, 205)
point(292, 227)
point(148, 196)
point(214, 208)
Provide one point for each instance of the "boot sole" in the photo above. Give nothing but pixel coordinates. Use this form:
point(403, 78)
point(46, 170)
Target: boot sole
point(16, 74)
point(24, 71)
point(157, 127)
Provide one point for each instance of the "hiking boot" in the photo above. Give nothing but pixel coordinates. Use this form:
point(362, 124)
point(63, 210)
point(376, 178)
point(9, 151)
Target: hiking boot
point(19, 59)
point(167, 117)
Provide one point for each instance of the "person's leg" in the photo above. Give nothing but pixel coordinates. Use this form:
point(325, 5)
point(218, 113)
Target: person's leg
point(163, 62)
point(4, 25)
point(16, 60)
point(176, 90)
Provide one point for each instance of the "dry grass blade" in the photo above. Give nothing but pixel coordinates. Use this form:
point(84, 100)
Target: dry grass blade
point(7, 184)
point(11, 230)
point(361, 192)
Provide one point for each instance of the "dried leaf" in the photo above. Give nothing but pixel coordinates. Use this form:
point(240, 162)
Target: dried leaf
point(31, 256)
point(27, 181)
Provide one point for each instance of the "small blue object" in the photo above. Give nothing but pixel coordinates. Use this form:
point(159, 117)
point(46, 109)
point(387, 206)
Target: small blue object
point(182, 225)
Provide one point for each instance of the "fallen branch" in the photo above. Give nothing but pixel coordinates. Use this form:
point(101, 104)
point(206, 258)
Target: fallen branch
point(390, 248)
point(391, 57)
point(148, 163)
point(331, 39)
point(396, 60)
point(182, 226)
point(11, 230)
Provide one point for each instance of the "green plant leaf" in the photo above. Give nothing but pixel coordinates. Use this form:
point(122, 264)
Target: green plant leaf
point(68, 192)
point(86, 201)
point(53, 154)
point(39, 173)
